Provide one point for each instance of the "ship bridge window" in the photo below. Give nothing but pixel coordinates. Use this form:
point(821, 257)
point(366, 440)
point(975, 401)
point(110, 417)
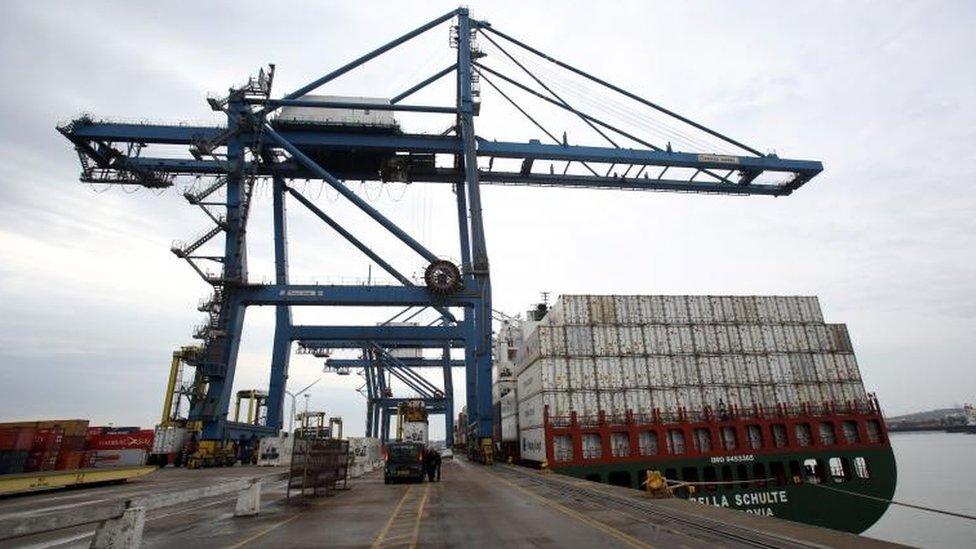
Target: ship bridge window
point(778, 471)
point(813, 471)
point(780, 439)
point(840, 470)
point(827, 435)
point(676, 441)
point(850, 432)
point(874, 431)
point(861, 468)
point(803, 437)
point(689, 474)
point(754, 433)
point(703, 440)
point(710, 477)
point(729, 441)
point(648, 443)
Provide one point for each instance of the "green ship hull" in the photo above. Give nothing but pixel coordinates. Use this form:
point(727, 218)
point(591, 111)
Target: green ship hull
point(831, 499)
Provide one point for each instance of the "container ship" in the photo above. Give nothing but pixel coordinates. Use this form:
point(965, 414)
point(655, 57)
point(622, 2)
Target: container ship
point(747, 402)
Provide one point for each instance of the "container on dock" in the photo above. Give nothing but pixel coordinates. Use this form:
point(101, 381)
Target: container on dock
point(120, 458)
point(167, 443)
point(13, 461)
point(16, 439)
point(277, 451)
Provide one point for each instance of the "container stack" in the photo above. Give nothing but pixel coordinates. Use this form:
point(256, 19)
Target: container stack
point(596, 353)
point(61, 445)
point(30, 446)
point(504, 385)
point(16, 444)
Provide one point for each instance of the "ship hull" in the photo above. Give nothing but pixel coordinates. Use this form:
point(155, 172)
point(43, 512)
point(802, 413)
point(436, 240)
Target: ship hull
point(798, 498)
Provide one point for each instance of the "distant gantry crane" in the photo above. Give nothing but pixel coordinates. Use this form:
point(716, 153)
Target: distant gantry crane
point(307, 140)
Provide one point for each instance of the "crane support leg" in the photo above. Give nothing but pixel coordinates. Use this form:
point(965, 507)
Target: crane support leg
point(281, 351)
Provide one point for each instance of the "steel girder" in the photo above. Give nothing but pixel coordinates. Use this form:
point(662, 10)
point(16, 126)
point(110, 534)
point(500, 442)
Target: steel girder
point(797, 172)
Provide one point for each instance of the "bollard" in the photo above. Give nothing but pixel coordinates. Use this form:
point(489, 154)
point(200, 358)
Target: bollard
point(249, 501)
point(656, 486)
point(124, 532)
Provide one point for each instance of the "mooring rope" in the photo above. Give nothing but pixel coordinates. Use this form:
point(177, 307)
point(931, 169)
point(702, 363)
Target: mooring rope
point(893, 502)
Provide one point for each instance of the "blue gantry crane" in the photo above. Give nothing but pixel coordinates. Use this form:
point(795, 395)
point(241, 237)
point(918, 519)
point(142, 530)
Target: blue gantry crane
point(256, 144)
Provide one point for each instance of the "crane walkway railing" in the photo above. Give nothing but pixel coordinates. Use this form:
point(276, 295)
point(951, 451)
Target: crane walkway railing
point(120, 522)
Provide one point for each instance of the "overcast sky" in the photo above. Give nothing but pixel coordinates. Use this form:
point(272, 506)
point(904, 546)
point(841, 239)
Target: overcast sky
point(92, 302)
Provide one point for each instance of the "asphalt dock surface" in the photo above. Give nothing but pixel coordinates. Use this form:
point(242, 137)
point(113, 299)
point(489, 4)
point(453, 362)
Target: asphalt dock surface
point(473, 506)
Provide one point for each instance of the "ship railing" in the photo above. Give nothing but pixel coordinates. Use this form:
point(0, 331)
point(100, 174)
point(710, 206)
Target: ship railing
point(707, 414)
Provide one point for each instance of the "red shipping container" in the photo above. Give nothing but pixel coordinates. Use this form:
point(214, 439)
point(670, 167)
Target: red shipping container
point(16, 439)
point(72, 443)
point(42, 461)
point(47, 440)
point(138, 440)
point(69, 460)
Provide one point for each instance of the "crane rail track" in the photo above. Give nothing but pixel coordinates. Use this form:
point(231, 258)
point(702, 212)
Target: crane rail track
point(714, 530)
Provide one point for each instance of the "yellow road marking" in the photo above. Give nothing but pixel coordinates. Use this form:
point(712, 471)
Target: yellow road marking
point(386, 528)
point(623, 537)
point(420, 514)
point(263, 532)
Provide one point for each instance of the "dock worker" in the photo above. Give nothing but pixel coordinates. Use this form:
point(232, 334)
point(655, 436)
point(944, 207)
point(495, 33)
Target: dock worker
point(432, 464)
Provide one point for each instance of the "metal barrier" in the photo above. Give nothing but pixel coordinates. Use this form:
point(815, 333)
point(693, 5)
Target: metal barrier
point(317, 464)
point(120, 523)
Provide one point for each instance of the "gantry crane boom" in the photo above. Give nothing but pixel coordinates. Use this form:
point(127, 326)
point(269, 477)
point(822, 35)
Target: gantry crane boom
point(254, 144)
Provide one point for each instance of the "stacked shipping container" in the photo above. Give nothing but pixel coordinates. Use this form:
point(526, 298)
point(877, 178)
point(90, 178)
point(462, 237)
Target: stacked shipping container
point(641, 353)
point(504, 386)
point(31, 446)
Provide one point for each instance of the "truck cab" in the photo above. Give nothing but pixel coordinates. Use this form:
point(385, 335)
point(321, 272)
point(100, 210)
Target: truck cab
point(403, 461)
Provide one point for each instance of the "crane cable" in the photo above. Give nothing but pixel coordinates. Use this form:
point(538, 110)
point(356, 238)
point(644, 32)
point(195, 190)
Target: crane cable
point(663, 129)
point(623, 112)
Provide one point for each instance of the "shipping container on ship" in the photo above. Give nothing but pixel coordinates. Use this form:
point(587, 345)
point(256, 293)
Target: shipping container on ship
point(505, 390)
point(754, 401)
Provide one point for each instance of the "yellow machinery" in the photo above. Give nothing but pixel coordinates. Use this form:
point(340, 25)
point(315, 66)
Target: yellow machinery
point(212, 453)
point(318, 425)
point(256, 400)
point(177, 388)
point(175, 426)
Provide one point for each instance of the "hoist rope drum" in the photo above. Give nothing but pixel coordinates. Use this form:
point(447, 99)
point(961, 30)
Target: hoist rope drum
point(443, 277)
